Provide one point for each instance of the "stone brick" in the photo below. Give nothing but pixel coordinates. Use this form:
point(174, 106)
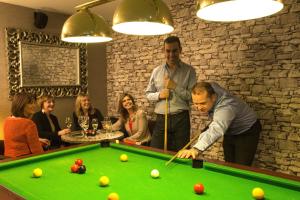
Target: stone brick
point(294, 105)
point(295, 7)
point(282, 161)
point(258, 89)
point(266, 114)
point(290, 18)
point(288, 82)
point(295, 100)
point(278, 73)
point(268, 99)
point(287, 145)
point(294, 73)
point(295, 125)
point(294, 137)
point(259, 28)
point(294, 169)
point(296, 55)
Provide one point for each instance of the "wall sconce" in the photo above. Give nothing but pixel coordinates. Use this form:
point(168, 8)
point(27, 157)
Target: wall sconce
point(236, 10)
point(134, 17)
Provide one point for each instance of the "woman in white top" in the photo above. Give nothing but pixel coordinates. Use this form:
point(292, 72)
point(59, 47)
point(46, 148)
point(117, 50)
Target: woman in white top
point(134, 120)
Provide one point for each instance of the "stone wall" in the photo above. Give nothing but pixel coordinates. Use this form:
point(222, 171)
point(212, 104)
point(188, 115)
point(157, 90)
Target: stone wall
point(258, 60)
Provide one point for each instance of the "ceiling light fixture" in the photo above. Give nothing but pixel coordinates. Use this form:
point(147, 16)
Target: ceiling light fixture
point(86, 27)
point(142, 17)
point(236, 10)
point(134, 17)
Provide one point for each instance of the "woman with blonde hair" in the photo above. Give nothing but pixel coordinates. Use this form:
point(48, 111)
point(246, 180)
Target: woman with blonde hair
point(83, 107)
point(47, 123)
point(20, 132)
point(134, 120)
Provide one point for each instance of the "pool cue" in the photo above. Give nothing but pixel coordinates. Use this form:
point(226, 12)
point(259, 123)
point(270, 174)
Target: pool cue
point(166, 127)
point(188, 144)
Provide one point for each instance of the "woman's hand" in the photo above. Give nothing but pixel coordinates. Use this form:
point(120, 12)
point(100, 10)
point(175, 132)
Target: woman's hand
point(64, 131)
point(129, 141)
point(44, 141)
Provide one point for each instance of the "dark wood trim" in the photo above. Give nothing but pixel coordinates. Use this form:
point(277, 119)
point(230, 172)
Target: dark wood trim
point(6, 194)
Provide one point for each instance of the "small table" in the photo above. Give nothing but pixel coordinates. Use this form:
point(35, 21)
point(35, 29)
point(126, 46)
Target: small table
point(77, 137)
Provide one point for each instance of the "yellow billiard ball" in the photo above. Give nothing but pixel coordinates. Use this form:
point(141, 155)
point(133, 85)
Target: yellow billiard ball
point(113, 196)
point(37, 172)
point(103, 181)
point(258, 193)
point(124, 158)
point(117, 141)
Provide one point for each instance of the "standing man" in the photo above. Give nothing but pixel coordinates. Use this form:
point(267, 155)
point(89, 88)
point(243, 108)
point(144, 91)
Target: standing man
point(231, 118)
point(174, 81)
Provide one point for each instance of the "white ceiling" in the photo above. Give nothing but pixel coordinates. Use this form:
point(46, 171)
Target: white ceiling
point(67, 6)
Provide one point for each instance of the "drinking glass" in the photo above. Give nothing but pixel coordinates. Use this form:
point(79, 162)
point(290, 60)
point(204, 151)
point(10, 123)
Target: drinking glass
point(68, 122)
point(104, 126)
point(84, 123)
point(108, 128)
point(95, 125)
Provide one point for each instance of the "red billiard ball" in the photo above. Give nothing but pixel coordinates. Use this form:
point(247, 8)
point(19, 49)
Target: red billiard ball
point(199, 188)
point(74, 168)
point(79, 162)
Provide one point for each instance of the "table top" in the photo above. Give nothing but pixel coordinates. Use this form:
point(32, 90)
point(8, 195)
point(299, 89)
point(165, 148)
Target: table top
point(77, 137)
point(132, 180)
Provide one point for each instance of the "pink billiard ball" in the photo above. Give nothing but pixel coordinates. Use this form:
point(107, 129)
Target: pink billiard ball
point(199, 188)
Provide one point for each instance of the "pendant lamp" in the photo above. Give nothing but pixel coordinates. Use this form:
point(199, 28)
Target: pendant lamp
point(85, 27)
point(236, 10)
point(142, 17)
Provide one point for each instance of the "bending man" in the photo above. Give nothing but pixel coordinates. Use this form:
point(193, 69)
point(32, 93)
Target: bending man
point(231, 118)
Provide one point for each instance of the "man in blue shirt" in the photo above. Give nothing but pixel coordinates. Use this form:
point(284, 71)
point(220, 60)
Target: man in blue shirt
point(231, 118)
point(173, 80)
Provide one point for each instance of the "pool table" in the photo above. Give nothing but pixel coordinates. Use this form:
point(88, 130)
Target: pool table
point(131, 179)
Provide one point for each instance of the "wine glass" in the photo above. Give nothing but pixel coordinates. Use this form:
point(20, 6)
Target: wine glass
point(84, 123)
point(95, 125)
point(68, 122)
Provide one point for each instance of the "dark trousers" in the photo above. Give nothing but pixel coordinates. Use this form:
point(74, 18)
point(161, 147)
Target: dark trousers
point(241, 148)
point(178, 131)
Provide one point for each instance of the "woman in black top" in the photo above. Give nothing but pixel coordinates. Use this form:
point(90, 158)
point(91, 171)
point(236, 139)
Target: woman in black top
point(47, 123)
point(83, 107)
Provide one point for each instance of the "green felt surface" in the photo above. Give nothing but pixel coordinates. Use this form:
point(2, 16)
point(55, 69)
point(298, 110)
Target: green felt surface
point(132, 180)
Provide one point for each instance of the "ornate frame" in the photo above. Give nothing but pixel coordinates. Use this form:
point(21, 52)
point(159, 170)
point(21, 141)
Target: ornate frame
point(16, 37)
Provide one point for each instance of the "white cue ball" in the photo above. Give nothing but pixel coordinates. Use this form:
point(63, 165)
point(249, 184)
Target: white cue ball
point(155, 173)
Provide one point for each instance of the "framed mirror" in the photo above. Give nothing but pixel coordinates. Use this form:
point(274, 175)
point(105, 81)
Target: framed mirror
point(41, 63)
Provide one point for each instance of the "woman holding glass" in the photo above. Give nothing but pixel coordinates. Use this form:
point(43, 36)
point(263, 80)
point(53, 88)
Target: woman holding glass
point(134, 120)
point(47, 123)
point(84, 111)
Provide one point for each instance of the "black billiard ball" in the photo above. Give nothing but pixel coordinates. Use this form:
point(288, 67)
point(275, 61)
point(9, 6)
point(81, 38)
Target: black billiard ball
point(81, 169)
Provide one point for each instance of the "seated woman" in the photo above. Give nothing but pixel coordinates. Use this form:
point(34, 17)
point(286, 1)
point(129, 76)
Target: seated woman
point(20, 132)
point(47, 123)
point(83, 107)
point(134, 120)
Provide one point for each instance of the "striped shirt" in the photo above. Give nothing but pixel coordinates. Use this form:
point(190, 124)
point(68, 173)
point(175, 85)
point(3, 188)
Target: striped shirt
point(180, 98)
